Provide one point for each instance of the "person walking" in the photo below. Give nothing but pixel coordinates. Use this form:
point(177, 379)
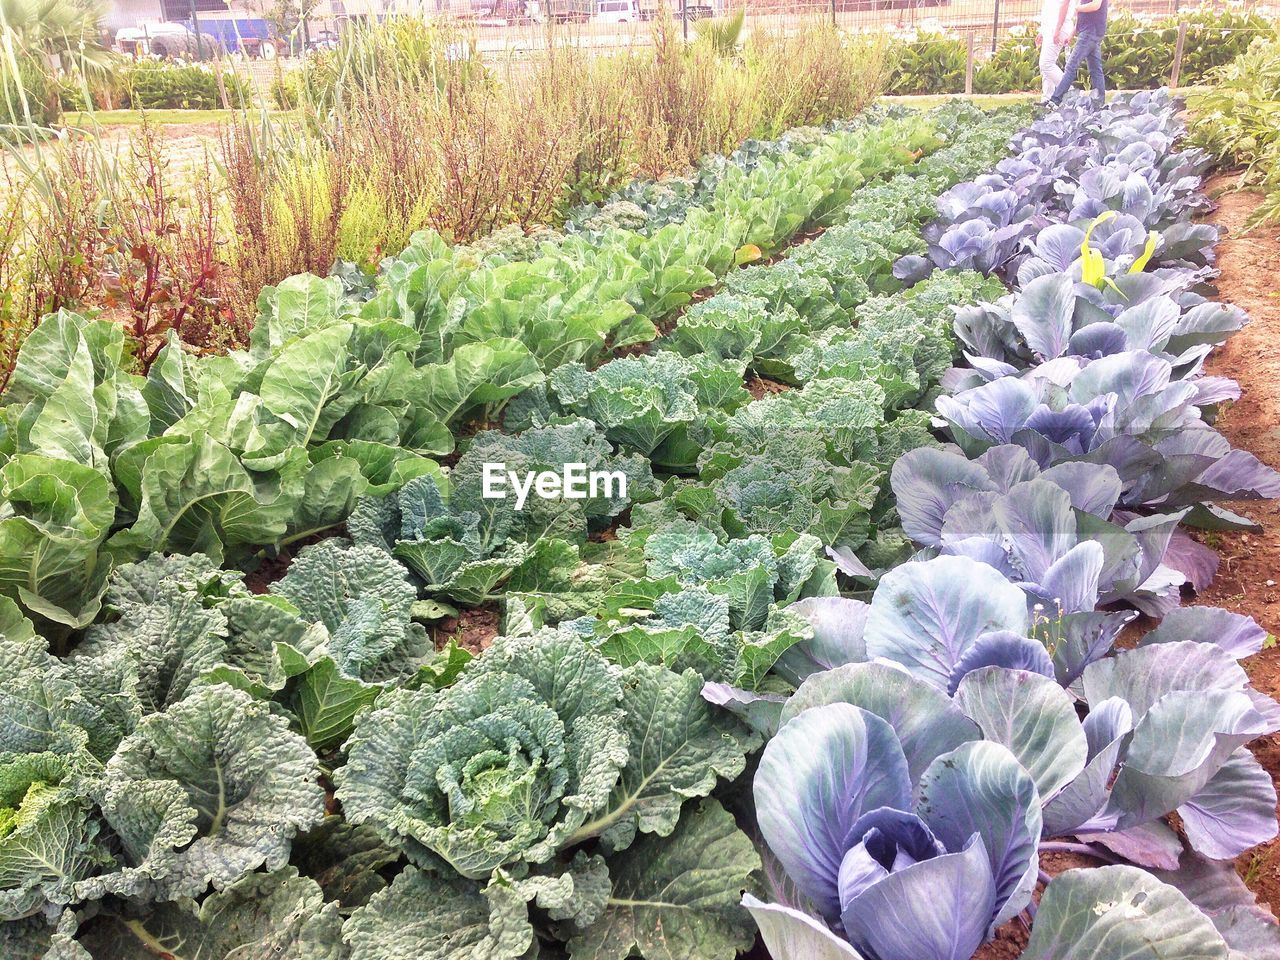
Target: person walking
point(1091, 27)
point(1057, 23)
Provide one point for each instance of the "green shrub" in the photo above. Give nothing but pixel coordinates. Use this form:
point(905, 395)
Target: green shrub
point(1138, 53)
point(155, 85)
point(1014, 67)
point(33, 81)
point(310, 84)
point(928, 63)
point(1239, 121)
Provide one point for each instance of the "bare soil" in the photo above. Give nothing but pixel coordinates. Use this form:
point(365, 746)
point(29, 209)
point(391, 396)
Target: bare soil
point(760, 387)
point(472, 629)
point(1250, 568)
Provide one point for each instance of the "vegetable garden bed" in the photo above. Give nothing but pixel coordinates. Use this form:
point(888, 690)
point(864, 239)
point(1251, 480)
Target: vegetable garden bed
point(816, 647)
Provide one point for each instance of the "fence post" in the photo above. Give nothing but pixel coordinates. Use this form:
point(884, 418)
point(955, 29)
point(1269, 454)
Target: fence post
point(833, 13)
point(195, 26)
point(1176, 75)
point(968, 67)
point(995, 27)
point(684, 17)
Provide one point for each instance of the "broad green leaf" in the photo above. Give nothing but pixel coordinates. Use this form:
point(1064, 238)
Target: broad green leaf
point(327, 578)
point(330, 492)
point(169, 390)
point(54, 516)
point(678, 896)
point(303, 377)
point(171, 644)
point(279, 915)
point(680, 746)
point(294, 307)
point(431, 917)
point(212, 788)
point(198, 497)
point(13, 625)
point(578, 893)
point(326, 703)
point(48, 839)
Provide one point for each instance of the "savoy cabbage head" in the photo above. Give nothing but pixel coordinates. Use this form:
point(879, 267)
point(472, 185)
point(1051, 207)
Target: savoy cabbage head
point(547, 770)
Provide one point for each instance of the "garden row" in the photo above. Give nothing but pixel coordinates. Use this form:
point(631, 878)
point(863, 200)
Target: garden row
point(1139, 53)
point(181, 739)
point(350, 788)
point(978, 712)
point(1237, 122)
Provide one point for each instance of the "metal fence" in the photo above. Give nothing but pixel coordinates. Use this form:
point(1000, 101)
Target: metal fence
point(505, 31)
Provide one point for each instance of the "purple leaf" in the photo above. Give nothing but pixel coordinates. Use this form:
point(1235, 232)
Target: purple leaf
point(815, 780)
point(1235, 811)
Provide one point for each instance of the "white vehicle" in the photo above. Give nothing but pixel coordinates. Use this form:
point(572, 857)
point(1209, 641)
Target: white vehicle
point(617, 11)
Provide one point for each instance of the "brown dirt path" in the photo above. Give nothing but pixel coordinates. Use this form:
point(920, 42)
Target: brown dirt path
point(1250, 571)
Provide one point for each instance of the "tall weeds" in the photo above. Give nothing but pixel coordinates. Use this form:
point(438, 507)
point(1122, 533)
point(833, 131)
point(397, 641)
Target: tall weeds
point(162, 259)
point(401, 128)
point(813, 76)
point(91, 226)
point(285, 195)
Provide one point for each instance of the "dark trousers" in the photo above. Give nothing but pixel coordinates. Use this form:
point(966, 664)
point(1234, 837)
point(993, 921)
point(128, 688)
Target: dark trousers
point(1088, 48)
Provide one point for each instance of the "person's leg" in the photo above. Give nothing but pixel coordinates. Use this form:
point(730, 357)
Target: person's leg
point(1050, 72)
point(1085, 44)
point(1097, 78)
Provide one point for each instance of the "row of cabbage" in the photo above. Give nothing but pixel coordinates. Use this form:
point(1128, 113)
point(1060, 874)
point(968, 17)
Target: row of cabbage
point(346, 391)
point(978, 712)
point(166, 729)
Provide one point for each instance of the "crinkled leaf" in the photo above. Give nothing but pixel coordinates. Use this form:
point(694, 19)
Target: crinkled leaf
point(677, 896)
point(230, 786)
point(680, 747)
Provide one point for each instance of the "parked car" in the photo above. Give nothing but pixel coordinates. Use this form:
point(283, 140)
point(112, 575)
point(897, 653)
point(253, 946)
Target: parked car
point(617, 11)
